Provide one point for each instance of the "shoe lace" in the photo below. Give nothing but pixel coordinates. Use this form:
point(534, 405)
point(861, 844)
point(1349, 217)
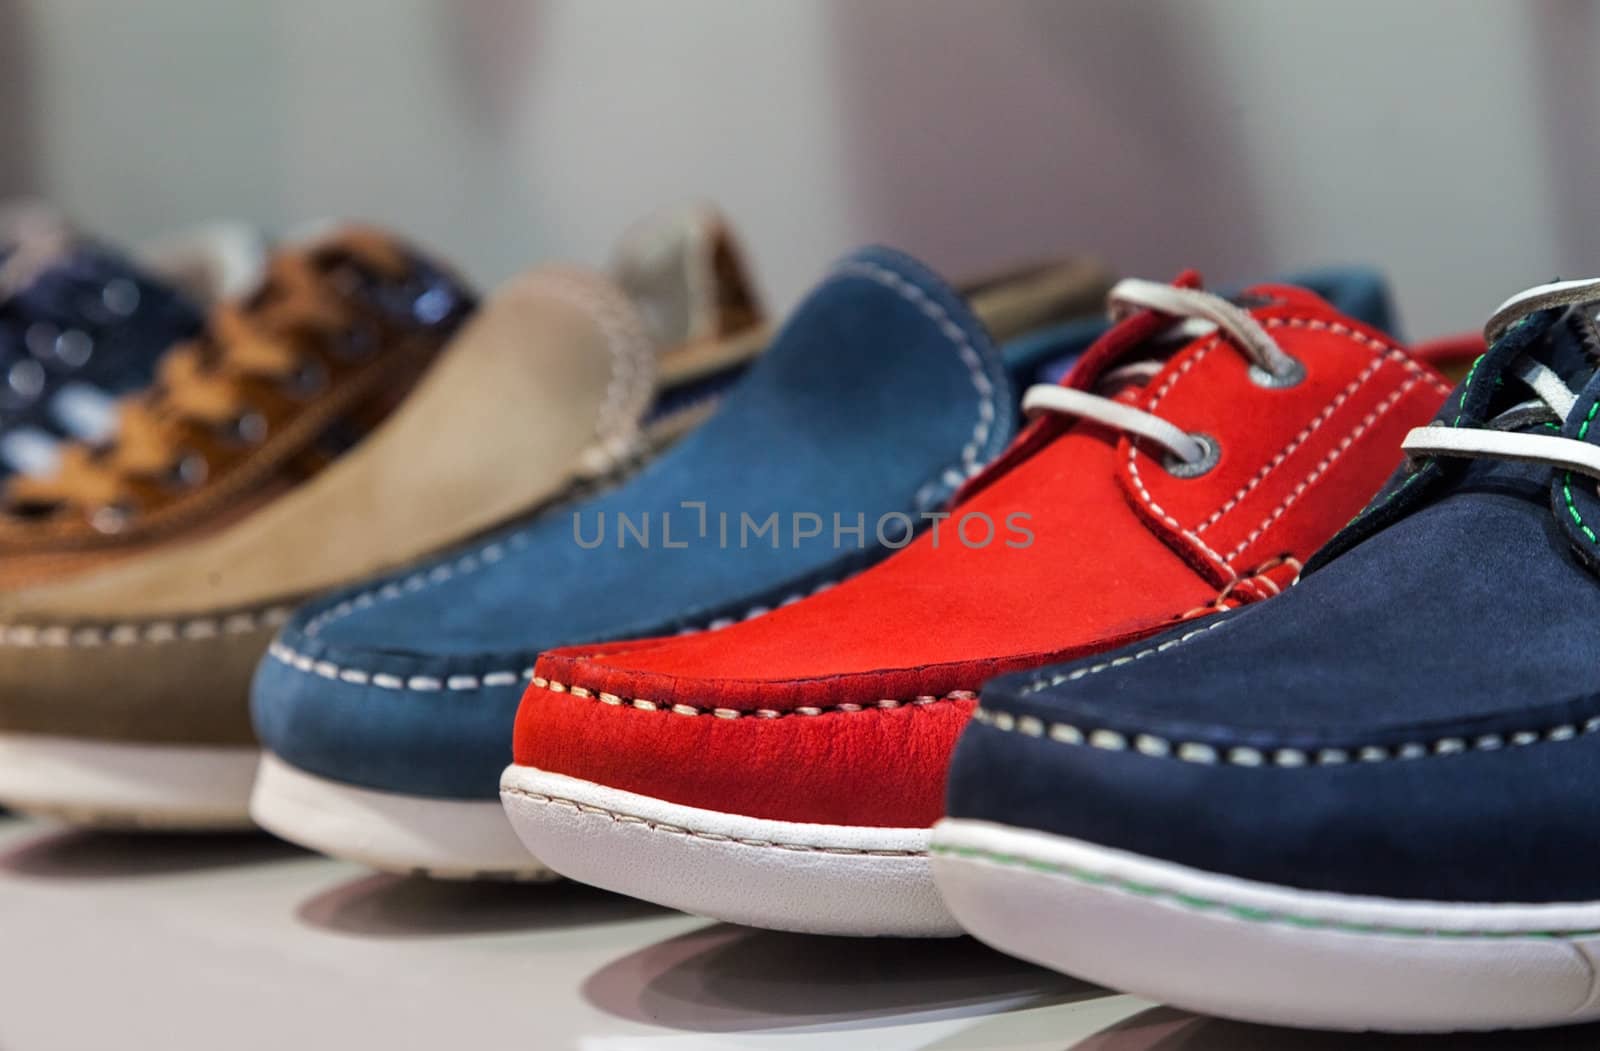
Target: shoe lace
point(1195, 313)
point(1503, 437)
point(307, 298)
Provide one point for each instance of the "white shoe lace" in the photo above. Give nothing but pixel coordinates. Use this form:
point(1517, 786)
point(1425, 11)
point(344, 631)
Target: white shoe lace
point(1200, 313)
point(1550, 391)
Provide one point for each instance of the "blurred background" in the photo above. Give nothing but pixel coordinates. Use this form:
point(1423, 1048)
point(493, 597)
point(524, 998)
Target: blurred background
point(1451, 141)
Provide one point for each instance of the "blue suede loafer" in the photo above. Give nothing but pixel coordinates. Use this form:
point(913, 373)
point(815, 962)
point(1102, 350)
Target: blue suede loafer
point(1365, 804)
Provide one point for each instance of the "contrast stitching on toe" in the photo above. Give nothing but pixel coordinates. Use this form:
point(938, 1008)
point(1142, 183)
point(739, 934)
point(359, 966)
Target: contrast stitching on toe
point(134, 633)
point(693, 833)
point(385, 681)
point(1043, 682)
point(641, 704)
point(972, 459)
point(1195, 903)
point(1158, 747)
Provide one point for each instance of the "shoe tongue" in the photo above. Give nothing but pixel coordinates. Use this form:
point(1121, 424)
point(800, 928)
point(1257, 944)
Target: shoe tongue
point(1572, 348)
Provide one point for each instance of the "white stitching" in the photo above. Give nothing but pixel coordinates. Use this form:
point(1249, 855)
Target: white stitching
point(631, 354)
point(416, 683)
point(886, 704)
point(461, 683)
point(493, 552)
point(1133, 457)
point(1116, 662)
point(1286, 758)
point(1327, 462)
point(1299, 440)
point(678, 830)
point(29, 636)
point(983, 430)
point(1418, 371)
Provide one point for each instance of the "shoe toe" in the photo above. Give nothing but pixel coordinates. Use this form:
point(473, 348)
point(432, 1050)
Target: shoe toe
point(1161, 764)
point(399, 719)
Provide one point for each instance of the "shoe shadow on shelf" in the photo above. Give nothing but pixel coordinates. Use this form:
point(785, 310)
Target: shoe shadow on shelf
point(384, 906)
point(1166, 1029)
point(723, 979)
point(92, 855)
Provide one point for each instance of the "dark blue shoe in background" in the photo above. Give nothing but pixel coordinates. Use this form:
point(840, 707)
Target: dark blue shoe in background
point(81, 325)
point(1370, 803)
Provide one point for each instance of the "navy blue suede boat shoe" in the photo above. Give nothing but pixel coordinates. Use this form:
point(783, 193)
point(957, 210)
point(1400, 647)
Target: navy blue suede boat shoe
point(1366, 804)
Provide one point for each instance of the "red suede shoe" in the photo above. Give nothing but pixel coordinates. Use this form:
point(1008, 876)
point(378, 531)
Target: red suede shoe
point(784, 771)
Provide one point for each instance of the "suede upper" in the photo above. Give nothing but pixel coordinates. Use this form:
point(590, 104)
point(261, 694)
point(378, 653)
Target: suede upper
point(843, 708)
point(1417, 719)
point(880, 396)
point(280, 382)
point(544, 389)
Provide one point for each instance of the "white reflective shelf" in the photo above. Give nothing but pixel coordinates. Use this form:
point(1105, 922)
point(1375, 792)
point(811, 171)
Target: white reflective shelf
point(242, 943)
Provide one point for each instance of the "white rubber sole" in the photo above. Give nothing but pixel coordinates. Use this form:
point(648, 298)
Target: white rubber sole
point(781, 875)
point(115, 785)
point(409, 835)
point(1264, 953)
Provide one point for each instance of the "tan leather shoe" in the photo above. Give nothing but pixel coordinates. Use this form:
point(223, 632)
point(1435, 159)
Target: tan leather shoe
point(124, 692)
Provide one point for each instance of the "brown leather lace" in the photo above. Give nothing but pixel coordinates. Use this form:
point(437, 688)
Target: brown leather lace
point(205, 383)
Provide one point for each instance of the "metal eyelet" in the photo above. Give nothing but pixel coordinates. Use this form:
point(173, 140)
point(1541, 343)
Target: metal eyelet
point(74, 347)
point(26, 379)
point(1290, 376)
point(190, 470)
point(120, 296)
point(111, 518)
point(1211, 452)
point(249, 428)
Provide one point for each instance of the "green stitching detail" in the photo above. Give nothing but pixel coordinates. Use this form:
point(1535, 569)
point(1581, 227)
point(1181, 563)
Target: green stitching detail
point(1566, 480)
point(1238, 912)
point(1466, 385)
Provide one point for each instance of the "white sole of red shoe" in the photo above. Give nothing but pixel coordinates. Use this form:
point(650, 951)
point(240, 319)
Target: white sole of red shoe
point(781, 875)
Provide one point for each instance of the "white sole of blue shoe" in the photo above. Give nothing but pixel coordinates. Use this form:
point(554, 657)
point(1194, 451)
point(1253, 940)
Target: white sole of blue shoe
point(1257, 952)
point(445, 839)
